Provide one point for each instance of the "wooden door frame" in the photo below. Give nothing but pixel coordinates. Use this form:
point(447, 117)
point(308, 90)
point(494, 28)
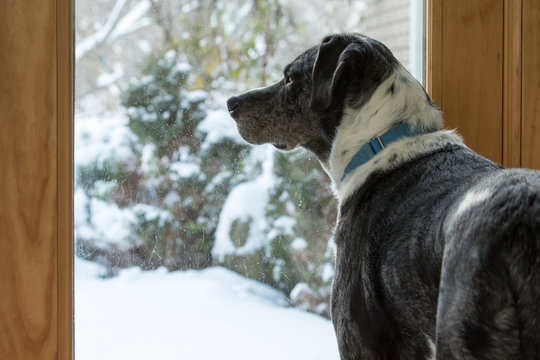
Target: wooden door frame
point(434, 49)
point(512, 83)
point(511, 105)
point(65, 244)
point(36, 215)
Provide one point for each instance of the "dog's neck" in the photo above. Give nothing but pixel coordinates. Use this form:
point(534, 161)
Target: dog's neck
point(398, 99)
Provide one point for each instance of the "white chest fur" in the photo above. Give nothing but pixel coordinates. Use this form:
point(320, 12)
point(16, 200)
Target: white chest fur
point(400, 98)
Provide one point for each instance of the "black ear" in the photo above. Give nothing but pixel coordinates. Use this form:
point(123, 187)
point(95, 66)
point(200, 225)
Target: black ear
point(333, 57)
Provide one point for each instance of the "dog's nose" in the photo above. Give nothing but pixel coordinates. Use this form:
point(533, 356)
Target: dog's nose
point(233, 103)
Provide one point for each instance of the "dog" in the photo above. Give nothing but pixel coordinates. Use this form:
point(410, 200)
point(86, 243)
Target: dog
point(437, 247)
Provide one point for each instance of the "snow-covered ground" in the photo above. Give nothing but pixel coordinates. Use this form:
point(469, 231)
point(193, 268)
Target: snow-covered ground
point(207, 314)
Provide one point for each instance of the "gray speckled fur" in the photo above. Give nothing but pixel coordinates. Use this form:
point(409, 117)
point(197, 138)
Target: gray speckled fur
point(440, 248)
point(400, 229)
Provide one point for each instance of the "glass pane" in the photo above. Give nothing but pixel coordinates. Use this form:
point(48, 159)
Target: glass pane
point(190, 243)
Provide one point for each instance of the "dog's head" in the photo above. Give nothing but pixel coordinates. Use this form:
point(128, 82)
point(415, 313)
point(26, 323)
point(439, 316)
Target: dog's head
point(306, 106)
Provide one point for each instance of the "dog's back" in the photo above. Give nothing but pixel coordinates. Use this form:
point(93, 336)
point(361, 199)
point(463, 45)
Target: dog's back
point(402, 225)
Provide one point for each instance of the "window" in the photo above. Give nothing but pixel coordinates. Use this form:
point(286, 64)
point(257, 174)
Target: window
point(188, 241)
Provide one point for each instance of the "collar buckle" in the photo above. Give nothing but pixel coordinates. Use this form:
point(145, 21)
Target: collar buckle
point(378, 146)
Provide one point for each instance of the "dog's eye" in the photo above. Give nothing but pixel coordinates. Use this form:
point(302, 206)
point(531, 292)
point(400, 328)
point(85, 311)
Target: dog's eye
point(288, 80)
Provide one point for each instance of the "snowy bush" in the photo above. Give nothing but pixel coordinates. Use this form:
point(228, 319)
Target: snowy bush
point(276, 228)
point(173, 185)
point(301, 215)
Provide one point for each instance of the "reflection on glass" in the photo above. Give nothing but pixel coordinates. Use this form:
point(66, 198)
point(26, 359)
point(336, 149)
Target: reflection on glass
point(191, 244)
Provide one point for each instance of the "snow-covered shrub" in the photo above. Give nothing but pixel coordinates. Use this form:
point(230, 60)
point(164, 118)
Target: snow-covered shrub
point(175, 189)
point(301, 214)
point(276, 227)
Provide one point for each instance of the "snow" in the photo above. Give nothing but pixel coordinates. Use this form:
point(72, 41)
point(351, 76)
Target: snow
point(283, 225)
point(302, 289)
point(106, 79)
point(117, 25)
point(218, 125)
point(184, 169)
point(195, 95)
point(189, 97)
point(299, 244)
point(151, 213)
point(197, 314)
point(108, 225)
point(172, 199)
point(148, 161)
point(99, 138)
point(246, 202)
point(134, 20)
point(169, 58)
point(327, 272)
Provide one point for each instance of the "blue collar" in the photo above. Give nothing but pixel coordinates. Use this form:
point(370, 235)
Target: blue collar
point(377, 144)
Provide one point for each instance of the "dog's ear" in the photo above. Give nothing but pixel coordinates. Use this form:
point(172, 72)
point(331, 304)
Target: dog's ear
point(333, 57)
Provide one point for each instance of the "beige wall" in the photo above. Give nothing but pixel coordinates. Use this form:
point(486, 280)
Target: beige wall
point(388, 22)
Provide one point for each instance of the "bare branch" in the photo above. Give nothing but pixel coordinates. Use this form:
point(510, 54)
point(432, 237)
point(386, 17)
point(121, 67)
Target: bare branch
point(123, 24)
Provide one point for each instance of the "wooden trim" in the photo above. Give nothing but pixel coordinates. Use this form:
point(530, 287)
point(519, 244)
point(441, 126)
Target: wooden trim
point(483, 71)
point(434, 54)
point(28, 214)
point(65, 81)
point(36, 161)
point(530, 100)
point(512, 83)
point(465, 69)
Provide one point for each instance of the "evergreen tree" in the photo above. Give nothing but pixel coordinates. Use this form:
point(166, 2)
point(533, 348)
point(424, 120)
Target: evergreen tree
point(180, 181)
